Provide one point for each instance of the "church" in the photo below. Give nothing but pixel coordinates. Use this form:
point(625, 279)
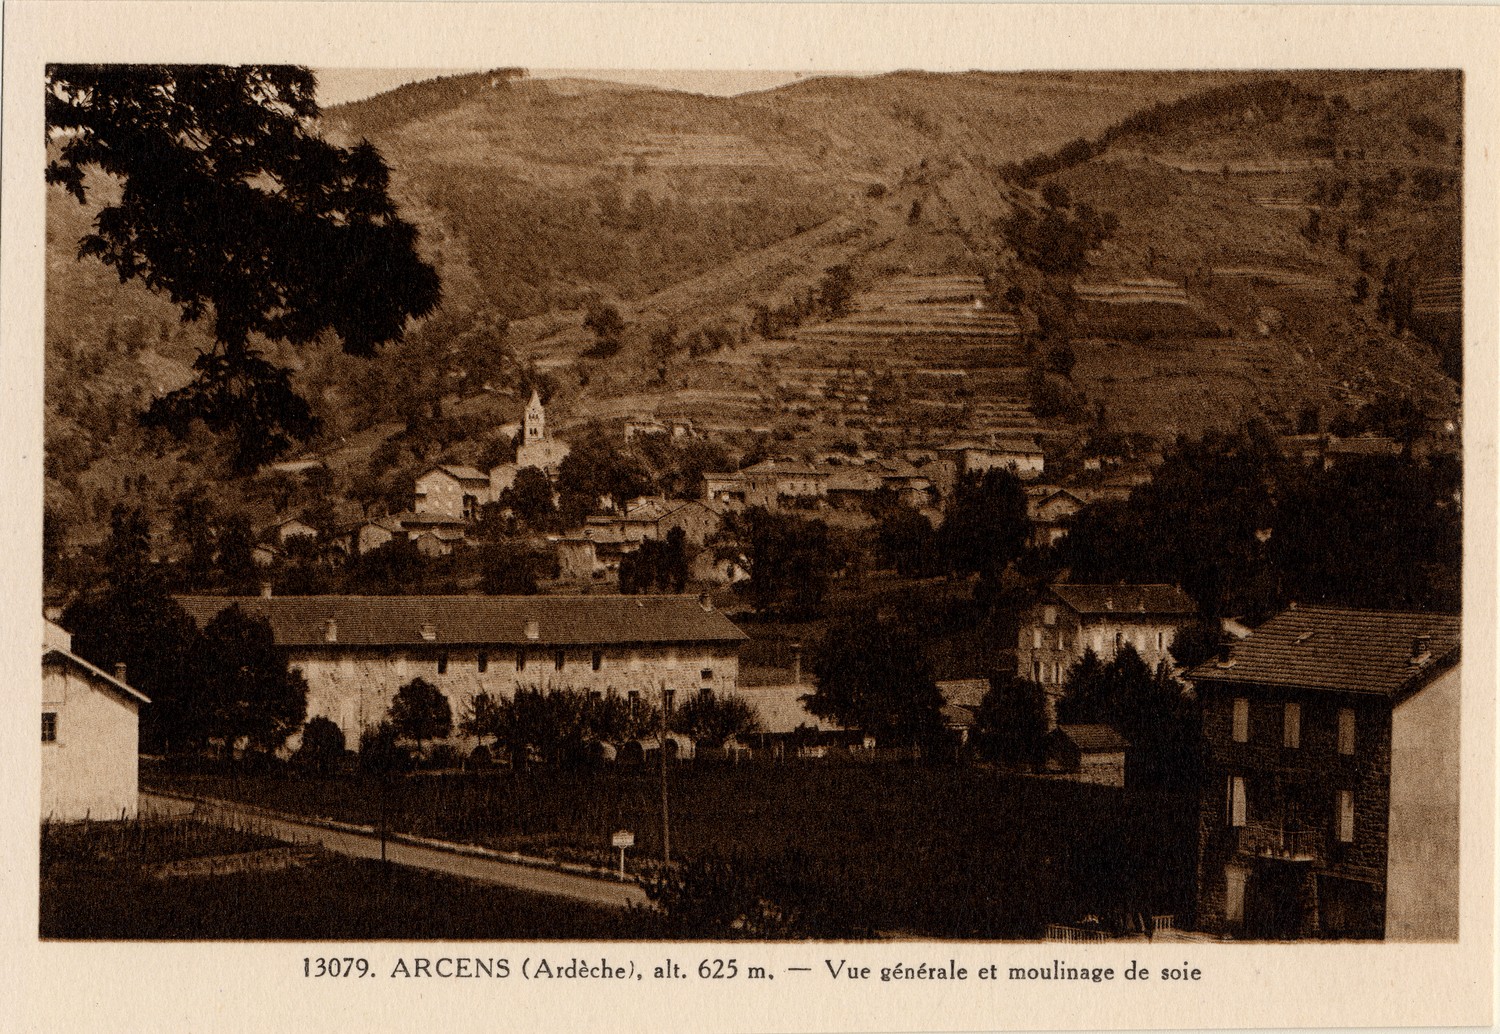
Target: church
point(537, 449)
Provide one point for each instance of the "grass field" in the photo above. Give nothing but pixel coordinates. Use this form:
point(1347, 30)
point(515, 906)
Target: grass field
point(89, 891)
point(959, 852)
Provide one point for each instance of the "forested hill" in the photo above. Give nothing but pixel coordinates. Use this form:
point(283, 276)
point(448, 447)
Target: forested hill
point(1277, 245)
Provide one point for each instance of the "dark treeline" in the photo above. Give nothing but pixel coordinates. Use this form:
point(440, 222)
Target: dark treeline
point(1271, 98)
point(1244, 531)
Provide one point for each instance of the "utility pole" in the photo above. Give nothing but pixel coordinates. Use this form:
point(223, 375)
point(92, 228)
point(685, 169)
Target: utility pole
point(666, 825)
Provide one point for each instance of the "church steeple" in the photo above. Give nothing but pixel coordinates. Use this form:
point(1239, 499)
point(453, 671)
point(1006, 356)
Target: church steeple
point(536, 418)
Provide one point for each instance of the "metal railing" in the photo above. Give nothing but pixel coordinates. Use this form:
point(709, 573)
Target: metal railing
point(1264, 841)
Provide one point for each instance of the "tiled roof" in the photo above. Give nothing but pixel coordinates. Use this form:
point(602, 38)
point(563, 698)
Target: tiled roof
point(1125, 599)
point(780, 709)
point(1359, 651)
point(964, 692)
point(399, 620)
point(1094, 739)
point(458, 471)
point(958, 717)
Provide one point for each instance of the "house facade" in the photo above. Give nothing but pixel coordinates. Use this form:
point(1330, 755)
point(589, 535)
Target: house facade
point(90, 736)
point(1069, 620)
point(1330, 795)
point(356, 651)
point(451, 491)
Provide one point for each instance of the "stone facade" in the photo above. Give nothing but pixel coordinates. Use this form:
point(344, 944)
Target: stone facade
point(354, 686)
point(1273, 874)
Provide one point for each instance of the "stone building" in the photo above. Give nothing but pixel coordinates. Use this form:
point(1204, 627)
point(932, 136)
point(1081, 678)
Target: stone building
point(357, 651)
point(450, 490)
point(537, 448)
point(1329, 804)
point(1070, 620)
point(90, 736)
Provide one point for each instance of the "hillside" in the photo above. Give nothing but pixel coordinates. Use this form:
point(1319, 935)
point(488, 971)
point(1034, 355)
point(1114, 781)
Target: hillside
point(711, 223)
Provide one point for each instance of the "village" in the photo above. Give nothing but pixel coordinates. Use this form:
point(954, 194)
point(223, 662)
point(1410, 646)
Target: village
point(960, 589)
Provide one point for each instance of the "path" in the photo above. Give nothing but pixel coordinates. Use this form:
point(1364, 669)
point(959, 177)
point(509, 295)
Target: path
point(454, 860)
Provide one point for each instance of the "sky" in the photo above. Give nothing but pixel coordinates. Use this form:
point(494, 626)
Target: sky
point(340, 85)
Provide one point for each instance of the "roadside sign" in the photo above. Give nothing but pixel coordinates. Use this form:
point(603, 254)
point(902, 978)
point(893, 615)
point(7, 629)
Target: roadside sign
point(624, 838)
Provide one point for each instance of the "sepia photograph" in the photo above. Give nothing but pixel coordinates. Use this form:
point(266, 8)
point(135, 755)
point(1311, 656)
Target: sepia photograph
point(838, 506)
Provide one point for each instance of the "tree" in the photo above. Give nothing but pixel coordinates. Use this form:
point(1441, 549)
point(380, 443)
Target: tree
point(322, 744)
point(421, 712)
point(251, 694)
point(986, 526)
point(660, 564)
point(1012, 721)
point(305, 239)
point(1196, 643)
point(836, 289)
point(873, 675)
point(530, 498)
point(508, 570)
point(791, 560)
point(608, 328)
point(481, 716)
point(715, 720)
point(907, 542)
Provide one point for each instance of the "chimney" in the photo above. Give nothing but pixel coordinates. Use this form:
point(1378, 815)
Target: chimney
point(1421, 648)
point(533, 629)
point(429, 631)
point(331, 630)
point(1226, 654)
point(706, 602)
point(265, 590)
point(120, 670)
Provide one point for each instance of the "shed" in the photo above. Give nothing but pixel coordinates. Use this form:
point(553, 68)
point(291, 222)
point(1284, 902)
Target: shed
point(1088, 753)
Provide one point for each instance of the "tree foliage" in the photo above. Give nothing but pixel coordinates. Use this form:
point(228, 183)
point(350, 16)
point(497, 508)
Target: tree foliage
point(1012, 722)
point(791, 560)
point(420, 711)
point(873, 675)
point(251, 694)
point(714, 721)
point(233, 207)
point(986, 525)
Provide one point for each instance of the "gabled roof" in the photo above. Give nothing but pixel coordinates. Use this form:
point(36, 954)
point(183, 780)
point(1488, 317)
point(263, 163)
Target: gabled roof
point(783, 467)
point(1094, 739)
point(495, 620)
point(1125, 599)
point(456, 471)
point(69, 657)
point(1357, 651)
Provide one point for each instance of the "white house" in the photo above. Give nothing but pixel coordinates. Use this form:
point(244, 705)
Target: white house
point(90, 736)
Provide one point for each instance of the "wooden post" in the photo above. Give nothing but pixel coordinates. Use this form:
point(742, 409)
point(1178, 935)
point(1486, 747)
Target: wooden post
point(666, 824)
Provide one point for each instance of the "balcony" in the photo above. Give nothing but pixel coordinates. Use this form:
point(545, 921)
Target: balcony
point(1282, 845)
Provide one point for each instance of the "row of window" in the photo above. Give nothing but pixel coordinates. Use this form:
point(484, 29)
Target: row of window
point(559, 661)
point(1291, 725)
point(1040, 641)
point(1236, 809)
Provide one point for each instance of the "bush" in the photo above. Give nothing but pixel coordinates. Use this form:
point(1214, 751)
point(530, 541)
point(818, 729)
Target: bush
point(714, 898)
point(380, 754)
point(322, 745)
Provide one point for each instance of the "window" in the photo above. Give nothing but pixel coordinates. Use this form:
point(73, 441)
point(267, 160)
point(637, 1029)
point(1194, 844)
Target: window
point(1234, 894)
point(597, 661)
point(1060, 641)
point(1036, 638)
point(559, 659)
point(1236, 803)
point(49, 726)
point(1346, 730)
point(1291, 726)
point(442, 664)
point(633, 700)
point(705, 693)
point(484, 662)
point(1119, 641)
point(706, 674)
point(1049, 615)
point(520, 660)
point(1161, 641)
point(1241, 729)
point(1346, 816)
